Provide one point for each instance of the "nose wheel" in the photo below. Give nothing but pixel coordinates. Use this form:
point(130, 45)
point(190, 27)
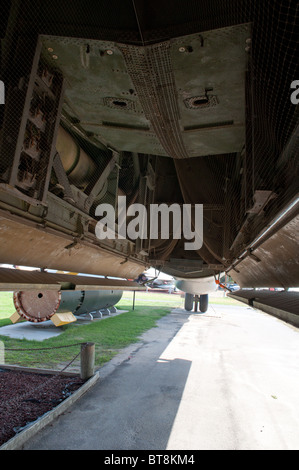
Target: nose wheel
point(196, 301)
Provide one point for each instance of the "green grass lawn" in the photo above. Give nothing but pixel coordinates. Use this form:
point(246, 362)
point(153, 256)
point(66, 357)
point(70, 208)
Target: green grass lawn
point(6, 305)
point(142, 298)
point(172, 300)
point(109, 335)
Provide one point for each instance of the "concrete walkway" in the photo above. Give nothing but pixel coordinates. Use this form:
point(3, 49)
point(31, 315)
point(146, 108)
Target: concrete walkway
point(227, 379)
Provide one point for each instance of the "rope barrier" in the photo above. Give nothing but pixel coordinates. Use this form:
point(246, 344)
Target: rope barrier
point(44, 349)
point(83, 345)
point(22, 397)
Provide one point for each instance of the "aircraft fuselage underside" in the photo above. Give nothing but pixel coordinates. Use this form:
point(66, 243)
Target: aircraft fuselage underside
point(163, 122)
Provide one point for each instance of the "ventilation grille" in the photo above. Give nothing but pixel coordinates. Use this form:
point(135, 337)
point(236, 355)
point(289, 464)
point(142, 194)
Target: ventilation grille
point(151, 72)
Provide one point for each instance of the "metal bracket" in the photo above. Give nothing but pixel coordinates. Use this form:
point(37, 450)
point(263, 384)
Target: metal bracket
point(101, 180)
point(63, 179)
point(253, 256)
point(261, 199)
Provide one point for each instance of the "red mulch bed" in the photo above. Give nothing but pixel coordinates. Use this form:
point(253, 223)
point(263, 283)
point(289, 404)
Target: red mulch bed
point(26, 396)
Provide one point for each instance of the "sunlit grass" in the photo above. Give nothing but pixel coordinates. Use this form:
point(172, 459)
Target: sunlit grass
point(109, 335)
point(175, 300)
point(6, 304)
point(142, 298)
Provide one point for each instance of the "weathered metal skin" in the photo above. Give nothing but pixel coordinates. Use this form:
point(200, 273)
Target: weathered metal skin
point(284, 305)
point(163, 105)
point(19, 279)
point(275, 261)
point(25, 245)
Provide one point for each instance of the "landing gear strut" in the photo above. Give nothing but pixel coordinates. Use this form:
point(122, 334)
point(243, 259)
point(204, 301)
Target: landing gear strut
point(198, 300)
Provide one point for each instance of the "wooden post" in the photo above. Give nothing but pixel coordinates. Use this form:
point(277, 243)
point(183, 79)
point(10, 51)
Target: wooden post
point(87, 360)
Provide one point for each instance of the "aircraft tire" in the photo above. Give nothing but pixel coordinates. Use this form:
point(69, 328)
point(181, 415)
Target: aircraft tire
point(204, 302)
point(188, 301)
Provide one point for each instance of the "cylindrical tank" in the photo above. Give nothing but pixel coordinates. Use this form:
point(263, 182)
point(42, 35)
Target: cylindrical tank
point(76, 163)
point(89, 301)
point(38, 306)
